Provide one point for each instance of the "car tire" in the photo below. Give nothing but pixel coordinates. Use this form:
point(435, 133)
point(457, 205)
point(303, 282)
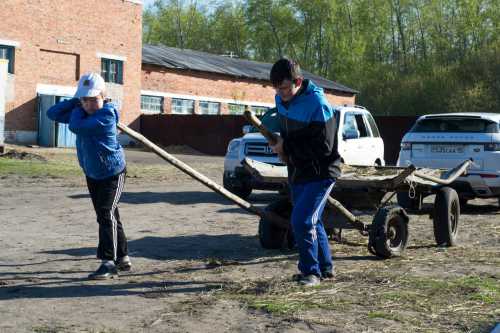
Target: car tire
point(446, 217)
point(272, 236)
point(411, 204)
point(243, 190)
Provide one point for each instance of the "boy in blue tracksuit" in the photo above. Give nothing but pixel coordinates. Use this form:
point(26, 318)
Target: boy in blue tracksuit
point(101, 157)
point(309, 147)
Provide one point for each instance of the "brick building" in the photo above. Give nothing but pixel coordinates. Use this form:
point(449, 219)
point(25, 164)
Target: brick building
point(50, 43)
point(187, 82)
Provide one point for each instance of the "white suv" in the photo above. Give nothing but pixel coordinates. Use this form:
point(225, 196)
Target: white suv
point(445, 140)
point(359, 143)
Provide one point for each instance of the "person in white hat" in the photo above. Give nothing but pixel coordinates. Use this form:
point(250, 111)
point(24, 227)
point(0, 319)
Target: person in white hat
point(102, 159)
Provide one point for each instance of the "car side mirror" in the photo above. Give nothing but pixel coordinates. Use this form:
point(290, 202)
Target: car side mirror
point(246, 129)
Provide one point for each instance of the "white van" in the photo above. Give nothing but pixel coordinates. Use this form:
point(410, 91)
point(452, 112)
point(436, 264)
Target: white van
point(359, 143)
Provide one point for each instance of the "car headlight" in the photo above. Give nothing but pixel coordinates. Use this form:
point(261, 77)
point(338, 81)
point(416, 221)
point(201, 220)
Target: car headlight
point(232, 148)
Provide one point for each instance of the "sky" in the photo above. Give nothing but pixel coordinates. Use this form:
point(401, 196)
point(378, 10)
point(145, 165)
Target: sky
point(209, 3)
point(147, 3)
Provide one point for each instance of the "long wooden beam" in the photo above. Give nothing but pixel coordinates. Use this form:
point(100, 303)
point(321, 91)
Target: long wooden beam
point(272, 217)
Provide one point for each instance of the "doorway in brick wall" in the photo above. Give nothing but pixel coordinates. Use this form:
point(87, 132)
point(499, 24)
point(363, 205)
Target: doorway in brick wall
point(50, 133)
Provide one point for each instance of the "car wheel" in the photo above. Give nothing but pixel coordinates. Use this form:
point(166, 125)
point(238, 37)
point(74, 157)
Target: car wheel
point(242, 190)
point(446, 216)
point(272, 236)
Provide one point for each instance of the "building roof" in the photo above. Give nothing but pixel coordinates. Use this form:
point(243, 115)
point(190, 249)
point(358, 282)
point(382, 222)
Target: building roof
point(175, 58)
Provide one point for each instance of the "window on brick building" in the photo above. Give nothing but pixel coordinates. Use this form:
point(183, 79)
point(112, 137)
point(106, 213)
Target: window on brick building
point(236, 109)
point(209, 107)
point(7, 52)
point(112, 70)
point(182, 106)
point(151, 104)
point(259, 110)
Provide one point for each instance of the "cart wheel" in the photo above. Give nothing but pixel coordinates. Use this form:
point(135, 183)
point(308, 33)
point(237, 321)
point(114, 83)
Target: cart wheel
point(389, 232)
point(272, 236)
point(463, 201)
point(446, 216)
point(242, 190)
point(406, 202)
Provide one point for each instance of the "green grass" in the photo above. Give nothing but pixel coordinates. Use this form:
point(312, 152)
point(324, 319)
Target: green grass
point(37, 169)
point(416, 302)
point(384, 315)
point(63, 168)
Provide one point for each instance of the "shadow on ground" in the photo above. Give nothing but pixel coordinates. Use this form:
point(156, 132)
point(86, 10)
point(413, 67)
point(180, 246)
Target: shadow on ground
point(82, 287)
point(213, 250)
point(189, 247)
point(181, 198)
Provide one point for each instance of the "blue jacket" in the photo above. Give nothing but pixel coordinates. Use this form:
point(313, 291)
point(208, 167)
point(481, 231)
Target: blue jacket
point(308, 126)
point(99, 153)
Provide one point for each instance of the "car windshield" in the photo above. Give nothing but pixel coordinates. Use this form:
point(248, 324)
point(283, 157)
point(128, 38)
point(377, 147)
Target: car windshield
point(456, 125)
point(270, 120)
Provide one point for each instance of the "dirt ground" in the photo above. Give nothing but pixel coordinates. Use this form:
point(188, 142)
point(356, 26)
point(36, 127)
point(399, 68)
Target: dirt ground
point(198, 266)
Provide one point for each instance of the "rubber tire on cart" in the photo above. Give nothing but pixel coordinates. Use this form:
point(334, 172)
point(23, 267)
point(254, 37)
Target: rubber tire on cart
point(388, 236)
point(243, 191)
point(463, 202)
point(446, 216)
point(413, 204)
point(272, 236)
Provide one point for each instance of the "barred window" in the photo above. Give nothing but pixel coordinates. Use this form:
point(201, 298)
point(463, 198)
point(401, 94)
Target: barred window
point(182, 106)
point(259, 110)
point(236, 109)
point(112, 70)
point(209, 107)
point(7, 52)
point(151, 104)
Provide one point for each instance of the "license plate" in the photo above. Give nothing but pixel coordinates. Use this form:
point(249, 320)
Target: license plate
point(447, 149)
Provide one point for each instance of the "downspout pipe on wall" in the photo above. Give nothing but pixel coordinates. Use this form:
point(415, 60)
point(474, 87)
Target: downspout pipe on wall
point(3, 91)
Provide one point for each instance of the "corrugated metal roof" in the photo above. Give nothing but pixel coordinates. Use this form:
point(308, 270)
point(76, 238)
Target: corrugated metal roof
point(175, 58)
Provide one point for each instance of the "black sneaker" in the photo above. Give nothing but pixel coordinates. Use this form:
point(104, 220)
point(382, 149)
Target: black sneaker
point(124, 264)
point(327, 275)
point(104, 272)
point(310, 280)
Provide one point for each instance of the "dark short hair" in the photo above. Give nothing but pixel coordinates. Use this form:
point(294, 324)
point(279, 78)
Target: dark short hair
point(285, 69)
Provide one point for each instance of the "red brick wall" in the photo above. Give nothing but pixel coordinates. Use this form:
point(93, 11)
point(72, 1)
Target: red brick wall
point(185, 82)
point(59, 41)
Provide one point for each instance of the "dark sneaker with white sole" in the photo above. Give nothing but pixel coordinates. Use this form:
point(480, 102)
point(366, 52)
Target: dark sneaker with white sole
point(309, 280)
point(104, 272)
point(124, 264)
point(327, 275)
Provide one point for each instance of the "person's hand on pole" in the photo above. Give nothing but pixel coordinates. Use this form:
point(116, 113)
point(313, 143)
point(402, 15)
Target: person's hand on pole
point(278, 149)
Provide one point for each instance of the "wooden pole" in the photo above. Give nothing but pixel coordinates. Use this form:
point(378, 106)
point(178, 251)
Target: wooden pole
point(272, 217)
point(252, 119)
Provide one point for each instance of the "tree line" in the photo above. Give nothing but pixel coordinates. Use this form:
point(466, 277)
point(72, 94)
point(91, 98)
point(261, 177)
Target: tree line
point(405, 57)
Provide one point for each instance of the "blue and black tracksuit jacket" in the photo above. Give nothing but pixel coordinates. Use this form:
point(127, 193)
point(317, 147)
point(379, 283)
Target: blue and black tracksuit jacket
point(308, 126)
point(99, 152)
